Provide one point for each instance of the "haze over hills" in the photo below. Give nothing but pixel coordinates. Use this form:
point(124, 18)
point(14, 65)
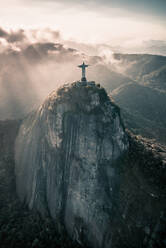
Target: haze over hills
point(83, 163)
point(146, 69)
point(143, 109)
point(31, 73)
point(141, 94)
point(32, 66)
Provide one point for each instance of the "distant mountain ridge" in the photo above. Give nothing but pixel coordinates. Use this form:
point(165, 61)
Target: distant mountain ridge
point(139, 77)
point(143, 109)
point(145, 68)
point(143, 98)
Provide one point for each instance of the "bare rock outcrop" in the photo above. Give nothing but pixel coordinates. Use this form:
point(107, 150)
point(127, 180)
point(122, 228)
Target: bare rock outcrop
point(66, 156)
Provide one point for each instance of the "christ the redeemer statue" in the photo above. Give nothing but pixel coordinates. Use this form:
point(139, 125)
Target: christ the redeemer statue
point(83, 66)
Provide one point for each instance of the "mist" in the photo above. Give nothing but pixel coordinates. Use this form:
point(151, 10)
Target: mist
point(31, 67)
point(33, 63)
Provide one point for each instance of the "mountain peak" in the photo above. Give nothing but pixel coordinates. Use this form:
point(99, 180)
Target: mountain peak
point(72, 143)
point(85, 96)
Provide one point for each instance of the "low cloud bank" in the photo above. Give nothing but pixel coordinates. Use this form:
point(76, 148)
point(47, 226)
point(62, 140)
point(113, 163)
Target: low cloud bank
point(35, 62)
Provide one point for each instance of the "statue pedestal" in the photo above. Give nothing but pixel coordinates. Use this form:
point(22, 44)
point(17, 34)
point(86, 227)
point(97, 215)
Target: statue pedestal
point(83, 79)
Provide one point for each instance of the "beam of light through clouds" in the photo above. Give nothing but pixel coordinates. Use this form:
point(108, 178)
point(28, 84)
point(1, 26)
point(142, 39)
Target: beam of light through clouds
point(42, 41)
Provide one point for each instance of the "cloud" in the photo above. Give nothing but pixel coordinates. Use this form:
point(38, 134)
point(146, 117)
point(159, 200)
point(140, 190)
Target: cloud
point(3, 33)
point(30, 68)
point(87, 21)
point(43, 35)
point(55, 52)
point(16, 36)
point(35, 62)
point(12, 36)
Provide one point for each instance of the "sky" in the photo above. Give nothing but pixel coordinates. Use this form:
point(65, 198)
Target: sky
point(90, 21)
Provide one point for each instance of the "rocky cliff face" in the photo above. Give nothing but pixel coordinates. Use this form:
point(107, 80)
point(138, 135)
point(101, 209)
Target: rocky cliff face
point(66, 161)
